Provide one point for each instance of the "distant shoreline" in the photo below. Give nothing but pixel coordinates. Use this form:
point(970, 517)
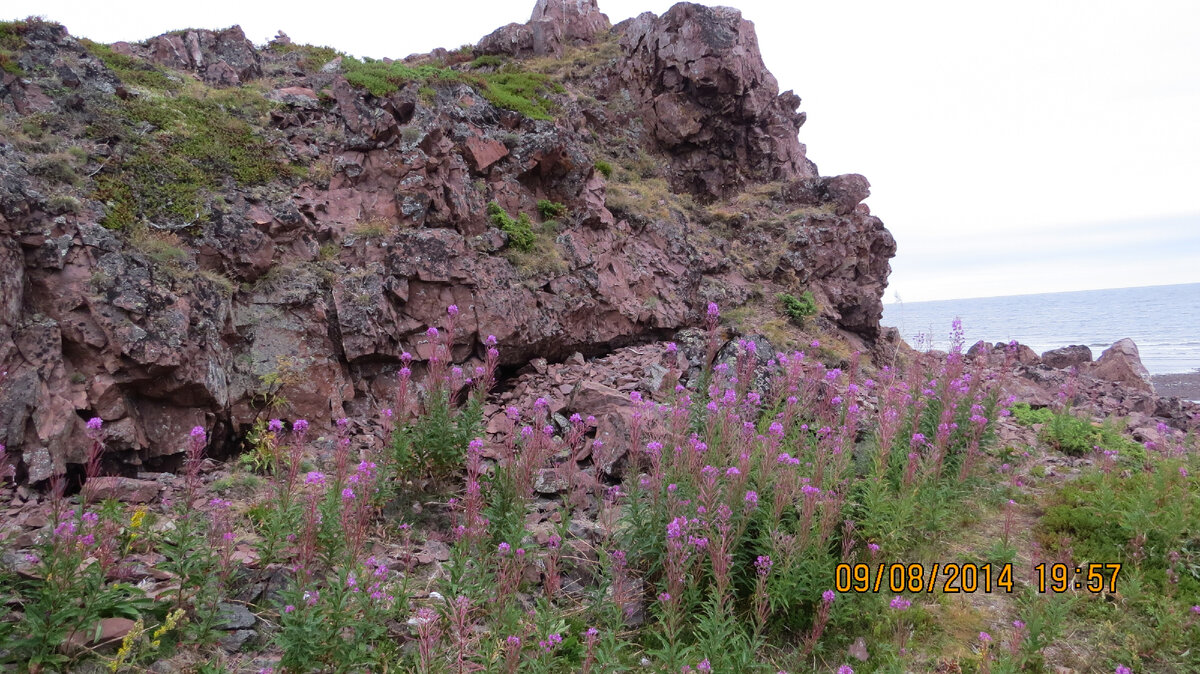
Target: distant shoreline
point(1184, 385)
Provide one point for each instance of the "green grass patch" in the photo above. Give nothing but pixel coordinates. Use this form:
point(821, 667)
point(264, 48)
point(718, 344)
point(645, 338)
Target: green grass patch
point(131, 70)
point(311, 57)
point(604, 168)
point(198, 139)
point(520, 92)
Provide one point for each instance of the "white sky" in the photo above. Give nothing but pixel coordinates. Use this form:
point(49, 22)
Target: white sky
point(1016, 147)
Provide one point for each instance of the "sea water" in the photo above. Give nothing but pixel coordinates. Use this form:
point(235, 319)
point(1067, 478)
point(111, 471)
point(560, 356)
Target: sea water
point(1164, 321)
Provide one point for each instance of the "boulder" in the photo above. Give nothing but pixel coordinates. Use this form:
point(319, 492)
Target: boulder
point(124, 489)
point(1122, 364)
point(1076, 355)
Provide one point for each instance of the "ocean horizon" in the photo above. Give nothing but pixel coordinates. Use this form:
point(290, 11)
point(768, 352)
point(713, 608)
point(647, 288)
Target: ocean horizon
point(1162, 320)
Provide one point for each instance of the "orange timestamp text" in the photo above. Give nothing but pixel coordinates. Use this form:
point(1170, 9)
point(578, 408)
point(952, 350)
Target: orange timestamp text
point(950, 578)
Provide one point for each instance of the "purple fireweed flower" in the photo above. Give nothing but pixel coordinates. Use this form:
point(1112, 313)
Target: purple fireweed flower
point(91, 518)
point(873, 547)
point(664, 597)
point(513, 641)
point(751, 498)
point(503, 548)
point(828, 596)
point(95, 423)
point(299, 426)
point(275, 426)
point(289, 608)
point(347, 494)
point(713, 310)
point(1122, 669)
point(1018, 624)
point(985, 637)
point(672, 347)
point(676, 526)
point(452, 309)
point(763, 564)
point(845, 669)
point(704, 666)
point(431, 332)
point(900, 603)
point(198, 434)
point(809, 489)
point(1183, 472)
point(315, 477)
point(732, 471)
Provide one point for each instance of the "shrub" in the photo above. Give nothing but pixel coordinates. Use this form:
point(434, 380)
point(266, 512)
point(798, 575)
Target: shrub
point(604, 168)
point(519, 230)
point(487, 61)
point(550, 209)
point(798, 308)
point(1028, 416)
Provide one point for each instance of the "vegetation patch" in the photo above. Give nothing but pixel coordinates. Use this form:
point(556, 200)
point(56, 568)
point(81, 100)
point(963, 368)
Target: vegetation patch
point(520, 92)
point(798, 308)
point(519, 229)
point(310, 58)
point(133, 71)
point(174, 148)
point(550, 210)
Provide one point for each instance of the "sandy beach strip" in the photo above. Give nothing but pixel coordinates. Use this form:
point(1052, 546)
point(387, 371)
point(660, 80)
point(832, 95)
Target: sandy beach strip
point(1183, 385)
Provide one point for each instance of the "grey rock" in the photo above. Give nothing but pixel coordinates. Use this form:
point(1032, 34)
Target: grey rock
point(234, 617)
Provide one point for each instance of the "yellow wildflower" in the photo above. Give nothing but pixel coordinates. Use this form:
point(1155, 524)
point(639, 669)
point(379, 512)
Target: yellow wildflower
point(136, 520)
point(172, 620)
point(126, 649)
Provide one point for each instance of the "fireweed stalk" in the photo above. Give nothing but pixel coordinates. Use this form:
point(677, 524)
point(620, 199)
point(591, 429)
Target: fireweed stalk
point(95, 433)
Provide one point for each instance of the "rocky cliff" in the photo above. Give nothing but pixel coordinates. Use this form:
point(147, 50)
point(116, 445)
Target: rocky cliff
point(195, 230)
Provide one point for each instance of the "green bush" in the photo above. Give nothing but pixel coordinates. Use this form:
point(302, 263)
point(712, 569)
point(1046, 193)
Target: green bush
point(1028, 416)
point(1074, 436)
point(604, 168)
point(798, 308)
point(519, 229)
point(550, 209)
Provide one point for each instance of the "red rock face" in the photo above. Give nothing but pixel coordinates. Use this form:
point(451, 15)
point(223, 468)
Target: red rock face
point(311, 290)
point(709, 100)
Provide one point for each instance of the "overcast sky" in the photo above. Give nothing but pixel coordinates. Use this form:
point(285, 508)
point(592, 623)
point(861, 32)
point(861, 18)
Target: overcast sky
point(1016, 147)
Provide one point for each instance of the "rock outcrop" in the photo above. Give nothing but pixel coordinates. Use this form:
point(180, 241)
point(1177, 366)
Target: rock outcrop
point(554, 24)
point(709, 101)
point(222, 58)
point(292, 283)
